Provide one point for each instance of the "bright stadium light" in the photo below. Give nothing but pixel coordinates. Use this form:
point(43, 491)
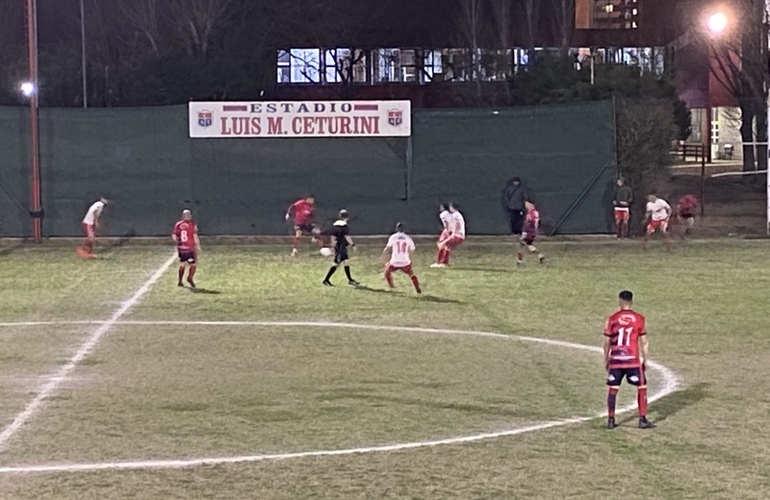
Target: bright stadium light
point(716, 23)
point(27, 89)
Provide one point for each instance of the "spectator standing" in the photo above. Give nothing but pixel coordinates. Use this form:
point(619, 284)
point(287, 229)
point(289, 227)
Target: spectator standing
point(622, 208)
point(513, 198)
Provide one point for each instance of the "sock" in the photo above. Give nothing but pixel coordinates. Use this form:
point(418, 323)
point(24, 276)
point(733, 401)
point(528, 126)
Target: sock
point(540, 255)
point(520, 256)
point(191, 273)
point(416, 283)
point(332, 270)
point(295, 243)
point(612, 396)
point(641, 399)
point(440, 256)
point(181, 273)
point(89, 246)
point(347, 273)
point(389, 277)
point(447, 253)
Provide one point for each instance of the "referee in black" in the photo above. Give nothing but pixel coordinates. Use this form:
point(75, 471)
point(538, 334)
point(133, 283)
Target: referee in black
point(340, 234)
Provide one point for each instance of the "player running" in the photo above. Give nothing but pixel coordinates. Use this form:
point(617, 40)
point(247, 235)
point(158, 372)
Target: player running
point(622, 203)
point(91, 224)
point(185, 235)
point(447, 223)
point(528, 235)
point(303, 212)
point(341, 240)
point(456, 236)
point(625, 353)
point(686, 212)
point(400, 246)
point(657, 218)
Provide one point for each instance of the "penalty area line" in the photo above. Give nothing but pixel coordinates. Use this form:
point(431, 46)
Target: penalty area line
point(670, 385)
point(57, 379)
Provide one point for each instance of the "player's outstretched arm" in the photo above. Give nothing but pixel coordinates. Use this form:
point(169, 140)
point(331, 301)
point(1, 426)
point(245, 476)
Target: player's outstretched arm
point(644, 348)
point(607, 345)
point(350, 241)
point(197, 243)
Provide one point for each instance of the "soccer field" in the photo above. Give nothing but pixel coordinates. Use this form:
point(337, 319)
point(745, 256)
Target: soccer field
point(115, 383)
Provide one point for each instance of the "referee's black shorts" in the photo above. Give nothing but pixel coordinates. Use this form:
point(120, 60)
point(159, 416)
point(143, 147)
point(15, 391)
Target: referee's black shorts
point(340, 255)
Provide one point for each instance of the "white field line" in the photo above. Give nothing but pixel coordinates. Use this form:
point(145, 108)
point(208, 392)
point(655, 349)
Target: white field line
point(670, 385)
point(55, 380)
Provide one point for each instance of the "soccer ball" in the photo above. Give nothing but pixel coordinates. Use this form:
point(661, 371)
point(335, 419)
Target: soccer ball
point(326, 252)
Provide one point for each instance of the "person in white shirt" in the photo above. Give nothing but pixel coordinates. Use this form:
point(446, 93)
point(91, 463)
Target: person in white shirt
point(91, 223)
point(658, 215)
point(455, 239)
point(447, 223)
point(400, 247)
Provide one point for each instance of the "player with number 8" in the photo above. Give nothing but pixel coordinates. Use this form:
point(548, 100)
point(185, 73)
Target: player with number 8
point(185, 235)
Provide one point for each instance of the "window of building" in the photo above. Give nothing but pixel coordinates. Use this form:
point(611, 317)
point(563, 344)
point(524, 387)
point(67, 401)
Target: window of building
point(305, 65)
point(386, 65)
point(432, 68)
point(284, 67)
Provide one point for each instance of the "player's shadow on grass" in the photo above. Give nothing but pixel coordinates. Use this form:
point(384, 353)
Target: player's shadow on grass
point(675, 402)
point(422, 298)
point(437, 300)
point(485, 269)
point(8, 250)
point(204, 291)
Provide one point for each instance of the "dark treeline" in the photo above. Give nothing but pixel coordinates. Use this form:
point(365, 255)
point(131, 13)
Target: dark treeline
point(156, 52)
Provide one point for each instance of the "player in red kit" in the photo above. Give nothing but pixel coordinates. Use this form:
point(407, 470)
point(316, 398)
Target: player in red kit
point(303, 212)
point(185, 235)
point(528, 235)
point(625, 353)
point(685, 210)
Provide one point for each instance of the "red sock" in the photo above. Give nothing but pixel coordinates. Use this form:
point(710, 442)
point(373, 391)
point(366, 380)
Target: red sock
point(612, 396)
point(389, 277)
point(641, 400)
point(447, 252)
point(416, 283)
point(181, 272)
point(440, 256)
point(191, 273)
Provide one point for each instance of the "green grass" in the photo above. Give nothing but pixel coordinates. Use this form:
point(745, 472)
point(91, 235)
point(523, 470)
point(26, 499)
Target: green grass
point(186, 391)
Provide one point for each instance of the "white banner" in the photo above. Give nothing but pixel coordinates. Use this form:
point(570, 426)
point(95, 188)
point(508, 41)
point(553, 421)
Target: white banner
point(300, 119)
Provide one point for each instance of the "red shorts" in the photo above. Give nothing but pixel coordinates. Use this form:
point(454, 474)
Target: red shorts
point(454, 241)
point(657, 225)
point(406, 269)
point(621, 213)
point(89, 229)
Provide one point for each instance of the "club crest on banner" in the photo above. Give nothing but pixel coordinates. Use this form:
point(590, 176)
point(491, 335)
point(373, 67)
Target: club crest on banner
point(205, 118)
point(395, 117)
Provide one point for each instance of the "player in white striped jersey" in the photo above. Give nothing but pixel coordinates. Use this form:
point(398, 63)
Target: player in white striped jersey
point(447, 223)
point(456, 237)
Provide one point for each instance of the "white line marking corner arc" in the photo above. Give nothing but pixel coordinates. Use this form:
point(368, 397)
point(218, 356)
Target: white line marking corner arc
point(670, 385)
